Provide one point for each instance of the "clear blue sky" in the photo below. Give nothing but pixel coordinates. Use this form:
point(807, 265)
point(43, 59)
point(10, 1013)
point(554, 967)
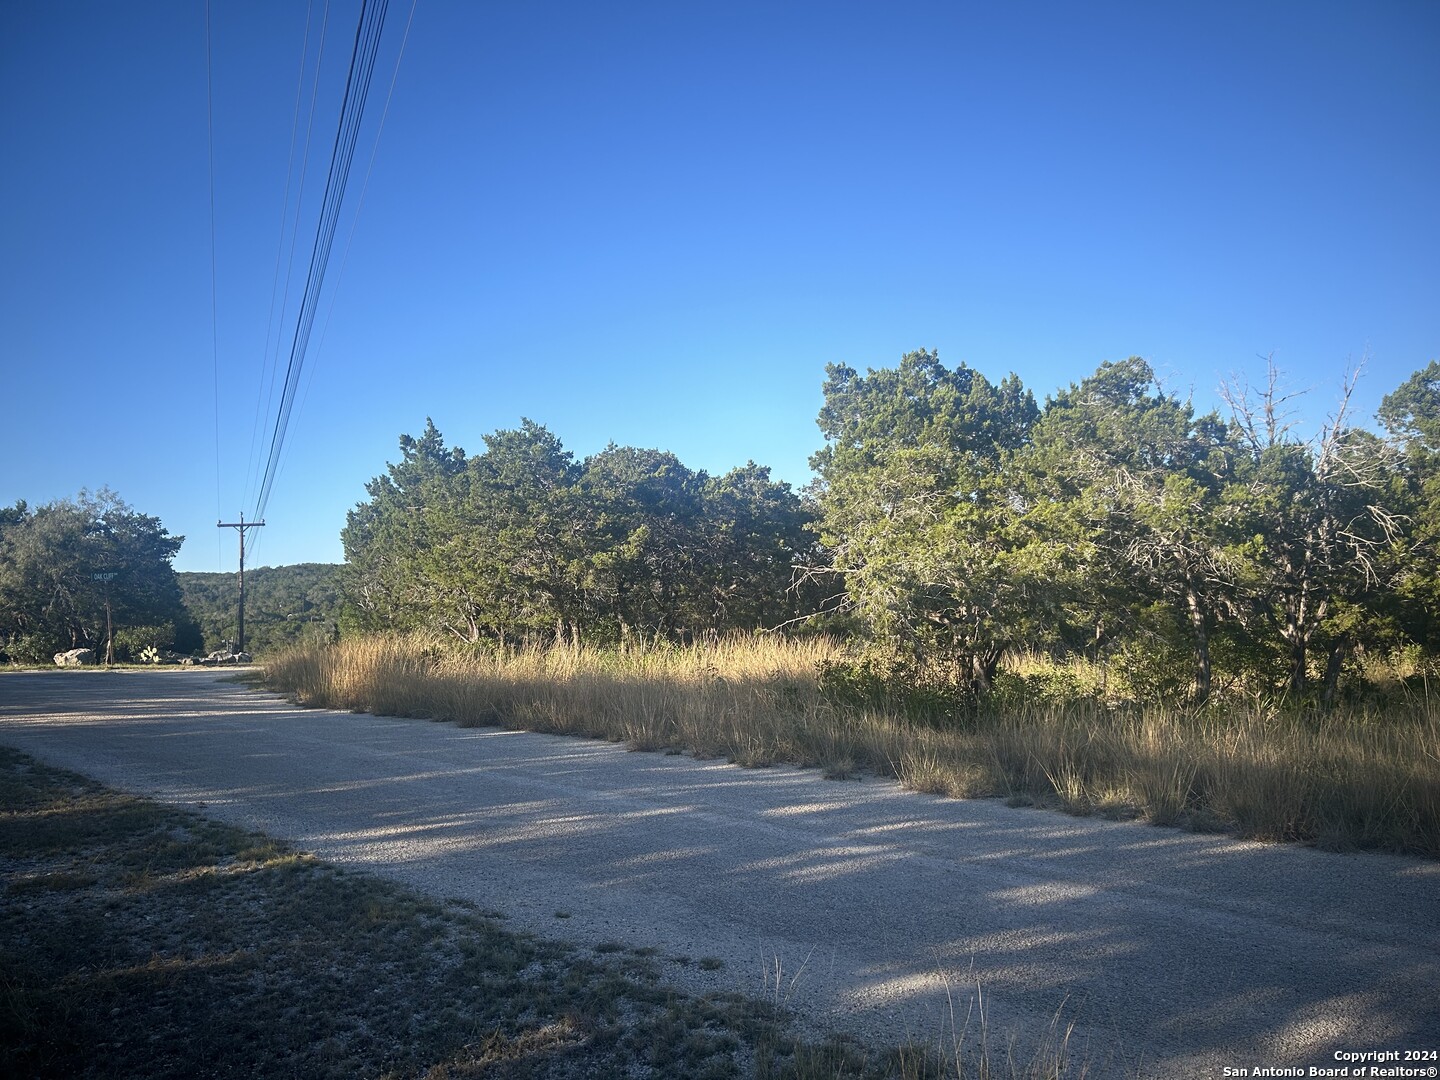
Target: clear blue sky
point(656, 223)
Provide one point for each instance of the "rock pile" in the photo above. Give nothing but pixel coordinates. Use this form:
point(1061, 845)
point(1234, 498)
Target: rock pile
point(225, 656)
point(75, 658)
point(153, 655)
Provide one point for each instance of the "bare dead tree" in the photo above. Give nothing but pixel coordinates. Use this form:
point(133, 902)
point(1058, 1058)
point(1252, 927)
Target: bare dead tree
point(1261, 416)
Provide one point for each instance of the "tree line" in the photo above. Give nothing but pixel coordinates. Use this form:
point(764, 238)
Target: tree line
point(969, 522)
point(89, 573)
point(522, 542)
point(953, 522)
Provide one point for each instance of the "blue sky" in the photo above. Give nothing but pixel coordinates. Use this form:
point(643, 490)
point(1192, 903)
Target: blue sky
point(657, 223)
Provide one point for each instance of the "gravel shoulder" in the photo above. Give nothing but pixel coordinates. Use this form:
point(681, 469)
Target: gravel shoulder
point(863, 907)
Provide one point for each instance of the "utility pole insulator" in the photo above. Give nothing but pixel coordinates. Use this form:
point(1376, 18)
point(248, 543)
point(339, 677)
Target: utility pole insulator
point(240, 526)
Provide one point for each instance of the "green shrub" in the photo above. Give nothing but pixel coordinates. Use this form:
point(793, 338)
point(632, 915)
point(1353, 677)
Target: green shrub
point(874, 680)
point(37, 647)
point(132, 641)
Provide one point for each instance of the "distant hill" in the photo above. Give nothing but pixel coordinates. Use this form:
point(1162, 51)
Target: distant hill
point(283, 605)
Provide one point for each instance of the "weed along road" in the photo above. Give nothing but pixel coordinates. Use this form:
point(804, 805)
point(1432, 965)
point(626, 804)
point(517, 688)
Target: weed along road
point(867, 909)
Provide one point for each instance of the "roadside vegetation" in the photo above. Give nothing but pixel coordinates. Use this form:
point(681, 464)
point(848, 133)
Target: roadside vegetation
point(1362, 776)
point(88, 573)
point(141, 940)
point(956, 530)
point(1110, 603)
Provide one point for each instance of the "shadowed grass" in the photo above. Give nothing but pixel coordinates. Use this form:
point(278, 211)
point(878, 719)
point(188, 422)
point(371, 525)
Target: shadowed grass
point(1345, 780)
point(138, 940)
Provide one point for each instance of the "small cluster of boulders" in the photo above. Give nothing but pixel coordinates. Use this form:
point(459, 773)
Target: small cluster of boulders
point(225, 656)
point(152, 655)
point(221, 657)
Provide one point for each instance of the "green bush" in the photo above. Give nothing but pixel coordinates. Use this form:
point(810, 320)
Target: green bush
point(1154, 670)
point(1056, 684)
point(877, 681)
point(38, 647)
point(132, 641)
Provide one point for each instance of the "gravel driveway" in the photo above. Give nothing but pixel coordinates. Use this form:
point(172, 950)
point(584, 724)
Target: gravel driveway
point(866, 908)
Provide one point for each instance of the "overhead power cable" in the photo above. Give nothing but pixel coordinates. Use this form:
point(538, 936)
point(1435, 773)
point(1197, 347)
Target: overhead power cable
point(269, 360)
point(350, 236)
point(357, 87)
point(214, 289)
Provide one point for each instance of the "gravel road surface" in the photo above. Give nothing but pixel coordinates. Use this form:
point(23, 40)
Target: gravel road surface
point(865, 908)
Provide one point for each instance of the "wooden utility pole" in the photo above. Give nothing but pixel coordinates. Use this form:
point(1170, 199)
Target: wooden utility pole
point(240, 526)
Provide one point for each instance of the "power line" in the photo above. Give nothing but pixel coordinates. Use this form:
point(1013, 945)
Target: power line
point(272, 359)
point(357, 87)
point(266, 366)
point(350, 238)
point(214, 302)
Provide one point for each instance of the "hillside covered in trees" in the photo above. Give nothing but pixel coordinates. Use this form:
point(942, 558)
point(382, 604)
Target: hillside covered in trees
point(283, 605)
point(954, 523)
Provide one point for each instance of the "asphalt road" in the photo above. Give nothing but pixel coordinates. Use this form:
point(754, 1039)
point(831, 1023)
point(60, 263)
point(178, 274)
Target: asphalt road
point(863, 907)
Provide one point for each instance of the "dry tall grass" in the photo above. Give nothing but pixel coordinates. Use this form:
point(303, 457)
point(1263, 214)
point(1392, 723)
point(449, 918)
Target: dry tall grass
point(1345, 780)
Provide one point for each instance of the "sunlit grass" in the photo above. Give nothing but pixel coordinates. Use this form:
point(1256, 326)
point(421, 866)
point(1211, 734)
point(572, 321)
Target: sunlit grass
point(1347, 779)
